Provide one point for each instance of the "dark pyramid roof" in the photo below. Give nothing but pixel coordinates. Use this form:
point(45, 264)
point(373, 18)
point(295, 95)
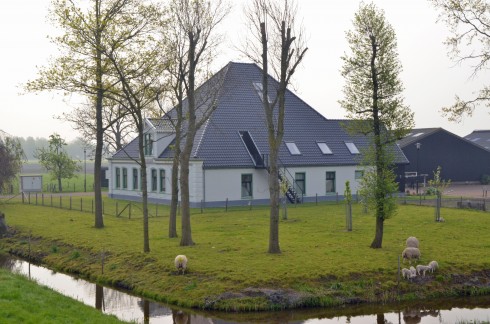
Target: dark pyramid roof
point(239, 108)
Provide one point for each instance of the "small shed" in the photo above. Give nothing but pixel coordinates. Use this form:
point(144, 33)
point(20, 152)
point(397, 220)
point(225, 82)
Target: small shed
point(31, 183)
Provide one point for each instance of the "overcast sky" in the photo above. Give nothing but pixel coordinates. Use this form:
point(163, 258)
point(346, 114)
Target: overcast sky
point(431, 79)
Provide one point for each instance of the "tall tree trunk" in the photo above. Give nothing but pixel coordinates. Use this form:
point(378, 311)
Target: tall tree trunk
point(186, 239)
point(172, 221)
point(379, 194)
point(99, 220)
point(60, 189)
point(274, 203)
point(378, 238)
point(144, 186)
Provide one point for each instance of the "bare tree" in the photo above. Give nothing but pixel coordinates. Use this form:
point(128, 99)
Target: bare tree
point(81, 68)
point(277, 43)
point(117, 124)
point(469, 24)
point(134, 54)
point(193, 41)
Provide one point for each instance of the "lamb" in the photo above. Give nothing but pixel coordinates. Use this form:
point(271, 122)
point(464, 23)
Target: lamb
point(411, 253)
point(422, 268)
point(413, 272)
point(433, 265)
point(412, 242)
point(406, 273)
point(181, 263)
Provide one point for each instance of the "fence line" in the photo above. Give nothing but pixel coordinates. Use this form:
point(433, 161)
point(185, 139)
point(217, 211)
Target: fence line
point(131, 209)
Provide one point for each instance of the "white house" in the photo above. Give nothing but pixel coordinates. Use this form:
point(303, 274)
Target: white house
point(230, 154)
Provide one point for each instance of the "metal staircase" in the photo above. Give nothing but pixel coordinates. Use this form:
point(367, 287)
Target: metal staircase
point(291, 193)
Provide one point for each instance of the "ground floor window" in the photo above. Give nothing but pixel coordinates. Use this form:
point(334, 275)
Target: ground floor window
point(135, 179)
point(162, 180)
point(118, 178)
point(330, 182)
point(247, 186)
point(359, 174)
point(300, 183)
point(154, 180)
point(125, 178)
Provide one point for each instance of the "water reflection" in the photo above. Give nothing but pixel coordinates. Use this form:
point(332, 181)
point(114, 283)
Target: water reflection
point(139, 310)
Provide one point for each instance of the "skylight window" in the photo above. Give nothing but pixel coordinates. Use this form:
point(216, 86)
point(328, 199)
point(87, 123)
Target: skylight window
point(324, 148)
point(352, 147)
point(293, 149)
point(260, 91)
point(418, 134)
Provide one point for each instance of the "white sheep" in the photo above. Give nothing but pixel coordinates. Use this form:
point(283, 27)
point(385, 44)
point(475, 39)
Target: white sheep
point(412, 242)
point(406, 273)
point(411, 253)
point(413, 272)
point(433, 265)
point(422, 268)
point(181, 263)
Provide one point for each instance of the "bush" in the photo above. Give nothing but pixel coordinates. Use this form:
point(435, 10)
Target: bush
point(431, 191)
point(485, 179)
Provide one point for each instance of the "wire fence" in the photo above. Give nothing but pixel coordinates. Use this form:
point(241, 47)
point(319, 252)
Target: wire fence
point(133, 209)
point(482, 204)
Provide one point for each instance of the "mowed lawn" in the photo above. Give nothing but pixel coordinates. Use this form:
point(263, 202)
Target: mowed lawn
point(230, 253)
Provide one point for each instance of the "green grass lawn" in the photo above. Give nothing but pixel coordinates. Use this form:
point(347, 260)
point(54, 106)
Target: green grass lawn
point(24, 301)
point(320, 260)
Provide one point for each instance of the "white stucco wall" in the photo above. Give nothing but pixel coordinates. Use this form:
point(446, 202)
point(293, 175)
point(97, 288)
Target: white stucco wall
point(218, 185)
point(222, 184)
point(315, 179)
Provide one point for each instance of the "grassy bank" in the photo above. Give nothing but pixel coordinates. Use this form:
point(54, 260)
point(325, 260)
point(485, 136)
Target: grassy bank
point(321, 264)
point(24, 301)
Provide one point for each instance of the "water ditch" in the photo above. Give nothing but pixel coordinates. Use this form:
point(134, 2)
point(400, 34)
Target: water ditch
point(139, 310)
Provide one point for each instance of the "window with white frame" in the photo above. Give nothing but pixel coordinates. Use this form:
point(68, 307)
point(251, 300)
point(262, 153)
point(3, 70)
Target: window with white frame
point(125, 178)
point(358, 174)
point(162, 180)
point(148, 144)
point(300, 183)
point(135, 179)
point(154, 180)
point(330, 182)
point(118, 178)
point(247, 191)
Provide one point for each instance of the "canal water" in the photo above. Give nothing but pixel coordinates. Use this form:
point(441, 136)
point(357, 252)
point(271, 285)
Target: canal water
point(139, 310)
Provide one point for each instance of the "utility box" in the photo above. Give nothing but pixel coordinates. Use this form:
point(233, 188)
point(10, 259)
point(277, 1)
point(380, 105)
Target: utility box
point(31, 183)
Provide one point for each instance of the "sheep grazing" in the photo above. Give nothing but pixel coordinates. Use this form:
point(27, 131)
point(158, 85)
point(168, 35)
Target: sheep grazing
point(406, 273)
point(422, 268)
point(433, 265)
point(413, 272)
point(412, 242)
point(411, 253)
point(181, 263)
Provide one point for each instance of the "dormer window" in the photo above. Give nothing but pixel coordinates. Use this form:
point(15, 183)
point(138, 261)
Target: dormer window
point(293, 149)
point(148, 144)
point(260, 91)
point(324, 148)
point(352, 147)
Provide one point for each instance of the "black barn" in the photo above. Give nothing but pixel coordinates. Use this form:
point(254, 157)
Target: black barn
point(460, 159)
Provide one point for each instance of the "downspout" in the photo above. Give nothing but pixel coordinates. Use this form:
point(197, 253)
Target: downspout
point(203, 185)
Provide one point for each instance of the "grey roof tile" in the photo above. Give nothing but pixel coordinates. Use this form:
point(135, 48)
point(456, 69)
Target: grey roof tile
point(239, 108)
